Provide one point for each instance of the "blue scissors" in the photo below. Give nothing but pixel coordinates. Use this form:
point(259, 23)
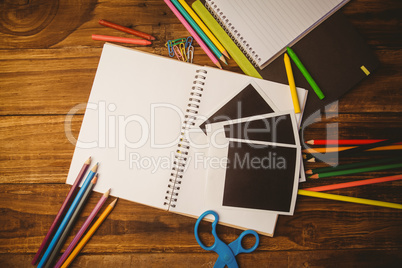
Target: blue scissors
point(226, 253)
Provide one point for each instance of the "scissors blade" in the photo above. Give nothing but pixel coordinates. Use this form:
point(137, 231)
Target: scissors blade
point(221, 263)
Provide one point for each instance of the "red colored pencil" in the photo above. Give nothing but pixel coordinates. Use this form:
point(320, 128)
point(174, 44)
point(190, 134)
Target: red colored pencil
point(343, 142)
point(64, 207)
point(354, 183)
point(125, 29)
point(121, 40)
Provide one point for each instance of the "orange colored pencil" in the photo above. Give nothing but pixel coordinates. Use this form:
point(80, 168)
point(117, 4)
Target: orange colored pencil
point(125, 29)
point(89, 234)
point(117, 39)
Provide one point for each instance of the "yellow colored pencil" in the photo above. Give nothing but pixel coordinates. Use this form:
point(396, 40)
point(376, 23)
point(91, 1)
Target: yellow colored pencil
point(349, 199)
point(338, 149)
point(91, 231)
point(292, 84)
point(204, 28)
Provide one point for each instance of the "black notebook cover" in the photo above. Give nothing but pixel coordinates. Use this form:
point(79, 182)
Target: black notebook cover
point(333, 53)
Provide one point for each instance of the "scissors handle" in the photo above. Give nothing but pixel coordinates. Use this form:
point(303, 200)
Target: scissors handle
point(217, 240)
point(237, 247)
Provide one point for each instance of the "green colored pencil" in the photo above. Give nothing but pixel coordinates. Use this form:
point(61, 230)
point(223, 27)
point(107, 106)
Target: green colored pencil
point(305, 73)
point(353, 171)
point(353, 165)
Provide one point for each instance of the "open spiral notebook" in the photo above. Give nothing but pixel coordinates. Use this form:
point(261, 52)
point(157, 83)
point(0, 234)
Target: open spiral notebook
point(142, 125)
point(264, 28)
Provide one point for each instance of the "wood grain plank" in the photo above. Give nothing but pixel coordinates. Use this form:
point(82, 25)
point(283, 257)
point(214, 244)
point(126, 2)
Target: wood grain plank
point(53, 81)
point(27, 211)
point(318, 258)
point(35, 148)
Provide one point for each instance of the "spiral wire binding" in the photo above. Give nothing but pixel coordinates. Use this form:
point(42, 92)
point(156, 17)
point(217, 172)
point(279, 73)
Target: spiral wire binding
point(183, 147)
point(232, 32)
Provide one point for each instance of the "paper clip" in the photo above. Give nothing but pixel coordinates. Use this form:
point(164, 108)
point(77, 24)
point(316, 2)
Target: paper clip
point(170, 48)
point(182, 48)
point(178, 53)
point(189, 41)
point(183, 51)
point(190, 54)
point(178, 41)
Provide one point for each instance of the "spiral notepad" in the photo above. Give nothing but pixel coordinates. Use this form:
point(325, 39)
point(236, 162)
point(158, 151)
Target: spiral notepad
point(142, 124)
point(183, 146)
point(263, 28)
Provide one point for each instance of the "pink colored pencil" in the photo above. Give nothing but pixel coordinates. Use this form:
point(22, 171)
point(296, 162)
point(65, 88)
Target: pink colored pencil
point(193, 33)
point(125, 29)
point(353, 183)
point(64, 207)
point(117, 39)
point(83, 229)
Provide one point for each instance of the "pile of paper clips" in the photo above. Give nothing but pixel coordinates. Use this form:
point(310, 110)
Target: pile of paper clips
point(182, 48)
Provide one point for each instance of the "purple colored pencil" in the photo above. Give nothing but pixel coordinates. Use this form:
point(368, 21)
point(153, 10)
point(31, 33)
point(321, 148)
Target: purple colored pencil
point(83, 229)
point(64, 207)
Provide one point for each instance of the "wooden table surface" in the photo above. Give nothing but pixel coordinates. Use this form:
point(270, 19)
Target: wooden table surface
point(47, 65)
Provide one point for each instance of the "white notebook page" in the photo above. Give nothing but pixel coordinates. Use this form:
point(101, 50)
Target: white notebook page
point(264, 27)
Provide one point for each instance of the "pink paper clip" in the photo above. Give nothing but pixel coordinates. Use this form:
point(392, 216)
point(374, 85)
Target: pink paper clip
point(177, 51)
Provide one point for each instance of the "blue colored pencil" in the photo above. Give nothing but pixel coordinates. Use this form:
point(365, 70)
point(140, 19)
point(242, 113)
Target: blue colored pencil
point(67, 218)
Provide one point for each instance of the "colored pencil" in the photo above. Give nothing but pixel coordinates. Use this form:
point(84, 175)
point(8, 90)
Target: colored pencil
point(225, 40)
point(326, 150)
point(204, 28)
point(193, 33)
point(305, 73)
point(71, 223)
point(354, 171)
point(69, 198)
point(292, 84)
point(126, 30)
point(310, 160)
point(200, 33)
point(117, 39)
point(354, 183)
point(67, 218)
point(343, 142)
point(354, 165)
point(89, 234)
point(339, 149)
point(84, 227)
point(362, 148)
point(349, 199)
point(329, 156)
